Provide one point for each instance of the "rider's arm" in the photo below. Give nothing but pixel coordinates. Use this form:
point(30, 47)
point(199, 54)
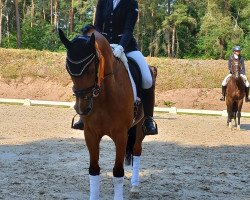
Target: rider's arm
point(243, 70)
point(99, 19)
point(230, 65)
point(129, 24)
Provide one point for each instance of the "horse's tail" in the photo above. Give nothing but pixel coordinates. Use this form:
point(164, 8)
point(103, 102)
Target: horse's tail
point(130, 145)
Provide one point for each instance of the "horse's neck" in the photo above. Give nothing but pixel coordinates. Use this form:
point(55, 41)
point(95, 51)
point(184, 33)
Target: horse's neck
point(237, 83)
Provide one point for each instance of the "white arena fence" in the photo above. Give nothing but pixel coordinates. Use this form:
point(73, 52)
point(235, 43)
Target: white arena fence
point(171, 110)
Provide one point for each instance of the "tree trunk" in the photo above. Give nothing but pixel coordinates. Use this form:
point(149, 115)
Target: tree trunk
point(93, 15)
point(177, 45)
point(51, 12)
point(169, 7)
point(173, 41)
point(1, 17)
point(32, 10)
point(7, 29)
point(24, 10)
point(17, 24)
point(222, 53)
point(55, 14)
point(44, 10)
point(138, 24)
point(71, 17)
point(169, 43)
point(168, 32)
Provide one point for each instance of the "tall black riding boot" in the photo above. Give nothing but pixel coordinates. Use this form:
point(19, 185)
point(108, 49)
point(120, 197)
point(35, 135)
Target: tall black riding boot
point(148, 100)
point(224, 88)
point(247, 93)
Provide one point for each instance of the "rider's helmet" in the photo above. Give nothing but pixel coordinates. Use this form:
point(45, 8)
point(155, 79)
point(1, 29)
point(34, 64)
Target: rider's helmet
point(236, 48)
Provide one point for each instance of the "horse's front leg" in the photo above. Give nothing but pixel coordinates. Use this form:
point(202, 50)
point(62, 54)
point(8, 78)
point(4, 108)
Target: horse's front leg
point(93, 144)
point(118, 171)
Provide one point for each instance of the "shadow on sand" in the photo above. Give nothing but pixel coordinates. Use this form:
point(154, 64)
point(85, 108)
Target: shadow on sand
point(58, 169)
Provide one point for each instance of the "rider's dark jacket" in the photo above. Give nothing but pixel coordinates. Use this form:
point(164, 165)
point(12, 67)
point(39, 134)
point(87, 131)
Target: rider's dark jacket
point(242, 64)
point(117, 25)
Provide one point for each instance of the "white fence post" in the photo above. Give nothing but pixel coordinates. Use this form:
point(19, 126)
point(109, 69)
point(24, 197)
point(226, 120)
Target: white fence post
point(27, 102)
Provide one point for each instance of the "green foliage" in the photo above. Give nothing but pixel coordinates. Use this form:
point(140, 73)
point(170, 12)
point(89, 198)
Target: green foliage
point(168, 103)
point(194, 29)
point(217, 31)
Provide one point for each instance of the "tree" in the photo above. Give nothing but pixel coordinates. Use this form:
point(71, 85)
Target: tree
point(168, 31)
point(217, 31)
point(172, 22)
point(17, 24)
point(1, 17)
point(32, 11)
point(72, 17)
point(55, 13)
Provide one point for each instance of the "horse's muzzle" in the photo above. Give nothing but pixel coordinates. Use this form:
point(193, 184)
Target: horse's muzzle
point(84, 110)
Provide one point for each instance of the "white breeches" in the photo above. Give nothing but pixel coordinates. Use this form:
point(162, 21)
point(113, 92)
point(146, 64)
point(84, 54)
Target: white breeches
point(224, 82)
point(147, 81)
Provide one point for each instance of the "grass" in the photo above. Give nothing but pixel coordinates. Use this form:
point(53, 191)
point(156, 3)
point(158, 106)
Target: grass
point(19, 64)
point(168, 103)
point(172, 73)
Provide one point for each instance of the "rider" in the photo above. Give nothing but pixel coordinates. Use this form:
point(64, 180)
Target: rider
point(236, 56)
point(115, 20)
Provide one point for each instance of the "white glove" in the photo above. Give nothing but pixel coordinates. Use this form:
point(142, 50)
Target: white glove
point(118, 51)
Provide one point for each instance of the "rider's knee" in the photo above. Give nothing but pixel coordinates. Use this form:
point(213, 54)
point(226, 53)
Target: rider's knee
point(147, 82)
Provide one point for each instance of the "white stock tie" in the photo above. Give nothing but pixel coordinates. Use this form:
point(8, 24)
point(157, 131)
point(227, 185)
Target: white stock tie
point(115, 3)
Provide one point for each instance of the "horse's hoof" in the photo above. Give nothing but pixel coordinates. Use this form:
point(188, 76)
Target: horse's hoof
point(134, 190)
point(230, 125)
point(238, 127)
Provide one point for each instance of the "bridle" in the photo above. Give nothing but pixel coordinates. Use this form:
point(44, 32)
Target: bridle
point(92, 91)
point(87, 94)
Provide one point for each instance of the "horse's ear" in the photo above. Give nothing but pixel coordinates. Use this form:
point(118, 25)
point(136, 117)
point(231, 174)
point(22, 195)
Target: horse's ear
point(92, 40)
point(64, 39)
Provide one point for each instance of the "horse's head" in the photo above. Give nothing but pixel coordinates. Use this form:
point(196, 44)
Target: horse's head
point(236, 68)
point(82, 65)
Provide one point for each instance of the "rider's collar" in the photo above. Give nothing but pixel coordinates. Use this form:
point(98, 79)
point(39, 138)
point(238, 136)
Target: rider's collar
point(236, 56)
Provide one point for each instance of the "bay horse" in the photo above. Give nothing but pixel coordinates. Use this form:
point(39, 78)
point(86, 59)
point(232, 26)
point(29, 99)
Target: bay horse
point(105, 98)
point(235, 93)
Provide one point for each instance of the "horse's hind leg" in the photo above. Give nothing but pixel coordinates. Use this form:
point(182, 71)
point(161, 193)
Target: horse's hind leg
point(238, 116)
point(135, 180)
point(118, 170)
point(235, 121)
point(130, 145)
point(240, 103)
point(229, 119)
point(93, 143)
